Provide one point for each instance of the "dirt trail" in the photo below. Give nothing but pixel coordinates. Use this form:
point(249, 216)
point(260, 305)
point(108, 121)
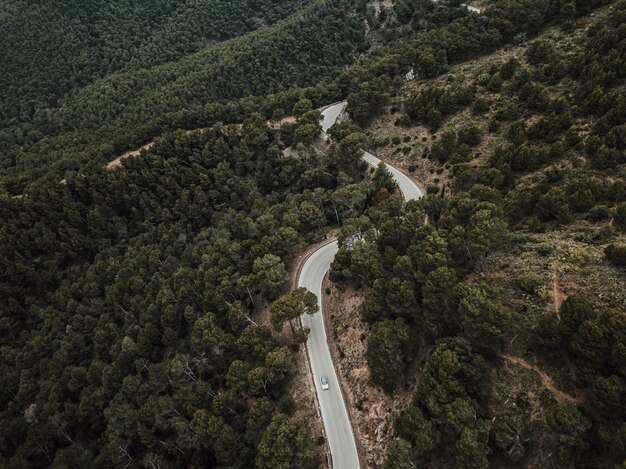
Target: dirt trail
point(547, 382)
point(118, 161)
point(557, 294)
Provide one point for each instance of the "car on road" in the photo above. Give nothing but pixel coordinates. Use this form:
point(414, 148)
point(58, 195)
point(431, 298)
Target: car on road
point(324, 381)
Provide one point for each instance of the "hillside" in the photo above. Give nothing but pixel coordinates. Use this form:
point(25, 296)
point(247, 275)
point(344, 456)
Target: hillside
point(506, 313)
point(163, 175)
point(50, 48)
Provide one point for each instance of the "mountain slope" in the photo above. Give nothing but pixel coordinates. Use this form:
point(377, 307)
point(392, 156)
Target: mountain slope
point(50, 48)
point(513, 293)
point(128, 108)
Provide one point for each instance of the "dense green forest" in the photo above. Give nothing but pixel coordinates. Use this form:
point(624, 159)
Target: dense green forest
point(50, 48)
point(123, 110)
point(127, 296)
point(130, 297)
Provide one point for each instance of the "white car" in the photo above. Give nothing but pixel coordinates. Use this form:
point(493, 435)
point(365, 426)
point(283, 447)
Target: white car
point(324, 382)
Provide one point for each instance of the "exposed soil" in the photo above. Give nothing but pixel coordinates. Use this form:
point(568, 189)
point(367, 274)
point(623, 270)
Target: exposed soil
point(307, 408)
point(118, 161)
point(302, 387)
point(557, 294)
point(278, 124)
point(372, 412)
point(547, 382)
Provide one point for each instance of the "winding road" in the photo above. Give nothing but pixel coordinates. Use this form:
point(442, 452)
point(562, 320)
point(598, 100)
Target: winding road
point(335, 416)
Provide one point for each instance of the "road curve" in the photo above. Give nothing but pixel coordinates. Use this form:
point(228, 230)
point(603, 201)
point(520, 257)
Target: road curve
point(330, 114)
point(335, 416)
point(409, 189)
point(334, 413)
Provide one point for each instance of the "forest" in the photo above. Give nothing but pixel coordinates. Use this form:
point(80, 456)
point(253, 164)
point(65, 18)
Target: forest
point(129, 295)
point(421, 264)
point(223, 83)
point(143, 306)
point(51, 48)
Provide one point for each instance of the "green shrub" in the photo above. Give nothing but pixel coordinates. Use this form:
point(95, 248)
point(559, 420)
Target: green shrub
point(494, 126)
point(619, 216)
point(616, 254)
point(530, 283)
point(544, 249)
point(469, 135)
point(599, 213)
point(480, 106)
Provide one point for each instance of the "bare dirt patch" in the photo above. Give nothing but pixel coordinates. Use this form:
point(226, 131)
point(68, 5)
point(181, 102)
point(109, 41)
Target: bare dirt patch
point(278, 124)
point(372, 412)
point(557, 294)
point(307, 409)
point(118, 161)
point(546, 381)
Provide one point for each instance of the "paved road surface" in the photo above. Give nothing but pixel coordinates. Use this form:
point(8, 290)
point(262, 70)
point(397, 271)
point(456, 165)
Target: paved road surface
point(334, 413)
point(409, 189)
point(330, 114)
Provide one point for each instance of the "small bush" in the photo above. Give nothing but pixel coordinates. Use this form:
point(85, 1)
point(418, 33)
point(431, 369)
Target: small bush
point(480, 107)
point(530, 283)
point(619, 216)
point(469, 135)
point(599, 213)
point(544, 249)
point(494, 126)
point(616, 254)
point(508, 69)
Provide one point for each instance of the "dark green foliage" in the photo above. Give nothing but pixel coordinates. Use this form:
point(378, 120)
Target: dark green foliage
point(507, 70)
point(619, 216)
point(285, 444)
point(388, 353)
point(470, 136)
point(382, 179)
point(50, 49)
point(443, 149)
point(599, 213)
point(530, 283)
point(574, 311)
point(616, 254)
point(369, 100)
point(568, 429)
point(553, 206)
point(431, 105)
point(224, 83)
point(398, 453)
point(445, 414)
point(139, 333)
point(480, 106)
point(483, 318)
point(129, 297)
point(291, 306)
point(538, 182)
